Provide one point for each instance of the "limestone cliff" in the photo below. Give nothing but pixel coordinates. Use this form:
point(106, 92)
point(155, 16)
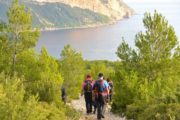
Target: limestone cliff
point(115, 9)
point(52, 14)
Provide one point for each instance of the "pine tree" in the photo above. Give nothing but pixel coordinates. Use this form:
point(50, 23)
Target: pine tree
point(21, 35)
point(146, 75)
point(72, 67)
point(4, 49)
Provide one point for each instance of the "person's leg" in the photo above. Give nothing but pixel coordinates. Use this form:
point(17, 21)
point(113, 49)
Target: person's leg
point(64, 99)
point(95, 104)
point(86, 101)
point(98, 111)
point(99, 108)
point(110, 97)
point(103, 102)
point(90, 102)
point(95, 107)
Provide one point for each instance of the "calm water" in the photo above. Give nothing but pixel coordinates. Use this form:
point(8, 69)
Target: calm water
point(102, 42)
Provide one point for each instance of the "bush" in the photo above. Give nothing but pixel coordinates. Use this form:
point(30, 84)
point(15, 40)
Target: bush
point(41, 73)
point(154, 112)
point(14, 105)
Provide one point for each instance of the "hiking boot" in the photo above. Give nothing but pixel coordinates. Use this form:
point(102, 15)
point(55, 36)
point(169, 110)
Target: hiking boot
point(87, 113)
point(102, 116)
point(94, 112)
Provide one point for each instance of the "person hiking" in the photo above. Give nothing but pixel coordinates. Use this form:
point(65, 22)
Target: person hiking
point(63, 94)
point(101, 89)
point(105, 95)
point(87, 91)
point(110, 89)
point(94, 103)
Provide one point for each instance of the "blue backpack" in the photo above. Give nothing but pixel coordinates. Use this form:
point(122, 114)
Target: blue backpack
point(100, 86)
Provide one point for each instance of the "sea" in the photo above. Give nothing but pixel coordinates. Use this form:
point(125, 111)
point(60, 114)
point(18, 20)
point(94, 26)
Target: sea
point(101, 43)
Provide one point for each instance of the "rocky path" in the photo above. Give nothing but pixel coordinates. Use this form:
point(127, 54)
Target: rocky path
point(80, 106)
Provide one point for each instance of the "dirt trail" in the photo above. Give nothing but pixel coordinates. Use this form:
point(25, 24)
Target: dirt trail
point(80, 106)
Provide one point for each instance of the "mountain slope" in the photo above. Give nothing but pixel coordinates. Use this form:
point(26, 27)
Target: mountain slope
point(111, 8)
point(70, 13)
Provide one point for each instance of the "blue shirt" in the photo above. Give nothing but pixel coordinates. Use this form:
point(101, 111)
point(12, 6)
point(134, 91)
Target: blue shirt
point(106, 85)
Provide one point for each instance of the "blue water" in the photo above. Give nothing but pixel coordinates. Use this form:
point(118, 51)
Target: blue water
point(102, 42)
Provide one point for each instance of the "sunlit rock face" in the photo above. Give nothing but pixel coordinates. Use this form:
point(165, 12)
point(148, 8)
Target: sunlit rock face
point(116, 9)
point(53, 14)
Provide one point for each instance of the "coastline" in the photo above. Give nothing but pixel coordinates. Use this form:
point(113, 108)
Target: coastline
point(129, 13)
point(80, 27)
point(111, 22)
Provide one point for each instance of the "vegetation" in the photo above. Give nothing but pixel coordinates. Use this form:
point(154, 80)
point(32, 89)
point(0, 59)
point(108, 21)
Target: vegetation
point(72, 67)
point(61, 15)
point(14, 105)
point(147, 78)
point(147, 84)
point(100, 66)
point(28, 80)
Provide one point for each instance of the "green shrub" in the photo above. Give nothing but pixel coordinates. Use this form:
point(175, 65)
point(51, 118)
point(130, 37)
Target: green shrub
point(41, 73)
point(154, 112)
point(147, 78)
point(15, 106)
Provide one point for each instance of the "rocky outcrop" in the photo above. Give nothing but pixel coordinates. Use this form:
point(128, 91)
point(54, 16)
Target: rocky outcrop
point(63, 14)
point(115, 9)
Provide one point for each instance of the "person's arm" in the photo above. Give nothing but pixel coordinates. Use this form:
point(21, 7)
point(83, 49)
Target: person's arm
point(107, 89)
point(94, 88)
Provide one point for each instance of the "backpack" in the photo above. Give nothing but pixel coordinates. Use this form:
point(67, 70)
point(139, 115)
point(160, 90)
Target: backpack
point(100, 86)
point(110, 87)
point(88, 86)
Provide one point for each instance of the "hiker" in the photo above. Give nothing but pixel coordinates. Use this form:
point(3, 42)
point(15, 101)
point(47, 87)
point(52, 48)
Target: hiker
point(63, 94)
point(94, 103)
point(110, 89)
point(101, 90)
point(105, 95)
point(87, 91)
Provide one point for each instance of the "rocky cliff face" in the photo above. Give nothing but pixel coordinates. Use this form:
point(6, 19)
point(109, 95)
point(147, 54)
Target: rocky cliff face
point(50, 14)
point(115, 9)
